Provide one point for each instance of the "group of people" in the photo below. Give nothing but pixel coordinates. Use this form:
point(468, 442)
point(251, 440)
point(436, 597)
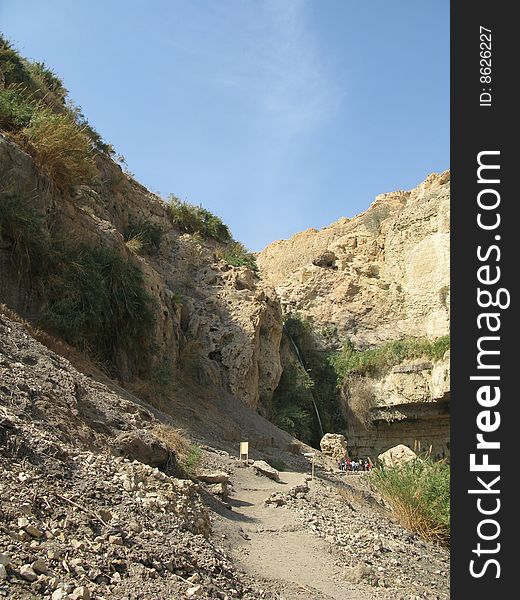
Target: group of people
point(347, 464)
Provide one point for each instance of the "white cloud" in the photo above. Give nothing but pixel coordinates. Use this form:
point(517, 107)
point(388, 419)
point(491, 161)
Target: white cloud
point(266, 54)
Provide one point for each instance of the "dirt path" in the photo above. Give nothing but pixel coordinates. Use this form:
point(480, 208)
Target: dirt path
point(270, 544)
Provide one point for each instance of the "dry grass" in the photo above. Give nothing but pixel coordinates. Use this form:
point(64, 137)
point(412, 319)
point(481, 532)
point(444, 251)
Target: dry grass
point(187, 453)
point(61, 147)
point(419, 495)
point(135, 244)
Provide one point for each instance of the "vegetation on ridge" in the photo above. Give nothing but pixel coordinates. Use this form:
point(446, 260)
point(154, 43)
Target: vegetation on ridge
point(199, 221)
point(190, 218)
point(34, 111)
point(372, 361)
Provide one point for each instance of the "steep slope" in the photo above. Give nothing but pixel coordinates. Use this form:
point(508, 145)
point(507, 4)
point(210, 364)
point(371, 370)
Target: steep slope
point(224, 320)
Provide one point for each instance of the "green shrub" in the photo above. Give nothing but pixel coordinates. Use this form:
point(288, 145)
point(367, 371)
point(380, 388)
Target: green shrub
point(12, 65)
point(237, 255)
point(192, 459)
point(47, 80)
point(196, 219)
point(96, 301)
point(60, 147)
point(377, 360)
point(419, 494)
point(296, 325)
point(149, 235)
point(24, 228)
point(17, 107)
point(92, 297)
point(292, 408)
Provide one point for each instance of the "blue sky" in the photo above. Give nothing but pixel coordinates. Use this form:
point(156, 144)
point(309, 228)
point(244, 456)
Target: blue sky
point(278, 115)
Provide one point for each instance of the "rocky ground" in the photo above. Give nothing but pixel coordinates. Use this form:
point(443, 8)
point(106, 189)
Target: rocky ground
point(79, 518)
point(326, 538)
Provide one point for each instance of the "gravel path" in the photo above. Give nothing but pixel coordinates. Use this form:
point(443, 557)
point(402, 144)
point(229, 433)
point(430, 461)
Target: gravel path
point(316, 545)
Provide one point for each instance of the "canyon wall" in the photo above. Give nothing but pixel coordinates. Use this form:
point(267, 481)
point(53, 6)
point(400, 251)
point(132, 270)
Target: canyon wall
point(220, 324)
point(379, 277)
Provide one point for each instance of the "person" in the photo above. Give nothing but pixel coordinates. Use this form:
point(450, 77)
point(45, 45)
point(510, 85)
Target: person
point(348, 464)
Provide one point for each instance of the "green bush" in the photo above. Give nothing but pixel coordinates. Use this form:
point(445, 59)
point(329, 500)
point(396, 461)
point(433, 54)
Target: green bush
point(237, 255)
point(189, 218)
point(47, 80)
point(12, 65)
point(292, 408)
point(24, 228)
point(17, 107)
point(96, 301)
point(192, 459)
point(296, 325)
point(419, 494)
point(92, 297)
point(377, 360)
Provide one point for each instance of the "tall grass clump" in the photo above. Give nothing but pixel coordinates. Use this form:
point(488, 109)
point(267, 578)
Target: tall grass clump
point(419, 495)
point(17, 107)
point(143, 236)
point(189, 455)
point(97, 302)
point(23, 231)
point(93, 297)
point(61, 147)
point(376, 360)
point(190, 218)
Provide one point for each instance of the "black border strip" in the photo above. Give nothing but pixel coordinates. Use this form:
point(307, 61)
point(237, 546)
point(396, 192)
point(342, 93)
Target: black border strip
point(477, 128)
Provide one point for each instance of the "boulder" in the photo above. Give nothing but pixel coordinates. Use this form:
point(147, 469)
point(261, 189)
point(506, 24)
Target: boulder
point(276, 499)
point(265, 469)
point(143, 446)
point(398, 455)
point(219, 489)
point(334, 445)
point(213, 477)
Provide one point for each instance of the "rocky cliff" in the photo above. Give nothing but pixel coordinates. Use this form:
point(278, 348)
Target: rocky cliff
point(379, 277)
point(221, 323)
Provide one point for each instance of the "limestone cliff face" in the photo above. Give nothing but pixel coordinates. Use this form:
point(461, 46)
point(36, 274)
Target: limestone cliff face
point(379, 276)
point(221, 323)
point(407, 405)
